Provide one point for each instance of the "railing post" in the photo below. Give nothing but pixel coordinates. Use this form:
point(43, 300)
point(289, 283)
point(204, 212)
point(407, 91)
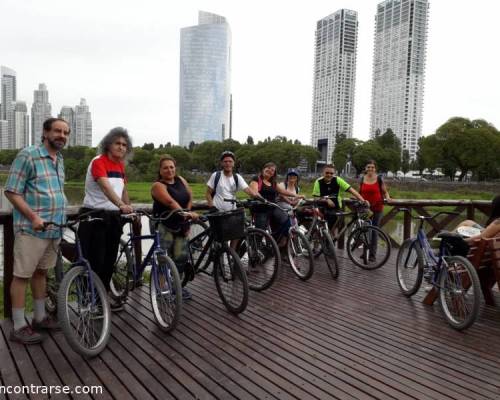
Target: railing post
point(407, 224)
point(8, 264)
point(470, 211)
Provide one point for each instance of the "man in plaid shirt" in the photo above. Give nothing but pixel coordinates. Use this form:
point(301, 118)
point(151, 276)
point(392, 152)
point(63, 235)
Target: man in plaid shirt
point(35, 188)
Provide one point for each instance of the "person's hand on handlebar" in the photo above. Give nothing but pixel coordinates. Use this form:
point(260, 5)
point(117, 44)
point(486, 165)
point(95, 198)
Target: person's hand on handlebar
point(192, 215)
point(37, 224)
point(126, 208)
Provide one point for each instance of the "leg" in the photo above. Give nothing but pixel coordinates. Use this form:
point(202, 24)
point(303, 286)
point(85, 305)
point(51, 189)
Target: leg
point(93, 241)
point(376, 217)
point(114, 230)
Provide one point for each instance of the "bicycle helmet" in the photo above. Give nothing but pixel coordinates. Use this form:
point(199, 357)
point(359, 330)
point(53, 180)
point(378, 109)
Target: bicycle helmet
point(227, 153)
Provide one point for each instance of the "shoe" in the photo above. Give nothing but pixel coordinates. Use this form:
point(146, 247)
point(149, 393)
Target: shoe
point(49, 323)
point(372, 258)
point(115, 305)
point(186, 294)
point(26, 335)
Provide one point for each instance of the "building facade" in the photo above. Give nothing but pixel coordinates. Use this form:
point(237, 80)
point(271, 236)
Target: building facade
point(8, 84)
point(334, 80)
point(205, 80)
point(82, 132)
point(399, 70)
point(22, 125)
point(68, 114)
point(40, 111)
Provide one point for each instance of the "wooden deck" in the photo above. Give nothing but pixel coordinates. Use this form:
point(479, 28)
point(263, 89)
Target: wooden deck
point(355, 338)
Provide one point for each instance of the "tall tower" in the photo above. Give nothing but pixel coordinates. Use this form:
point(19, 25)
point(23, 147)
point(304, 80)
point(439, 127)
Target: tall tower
point(334, 80)
point(8, 98)
point(83, 125)
point(399, 70)
point(205, 80)
point(40, 111)
point(68, 114)
point(22, 125)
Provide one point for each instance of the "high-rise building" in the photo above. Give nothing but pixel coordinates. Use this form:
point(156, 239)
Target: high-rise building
point(334, 80)
point(22, 129)
point(68, 114)
point(4, 134)
point(205, 80)
point(82, 133)
point(399, 69)
point(8, 98)
point(40, 111)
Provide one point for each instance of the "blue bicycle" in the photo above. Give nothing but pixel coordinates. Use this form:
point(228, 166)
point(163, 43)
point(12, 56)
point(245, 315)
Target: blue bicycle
point(165, 285)
point(448, 271)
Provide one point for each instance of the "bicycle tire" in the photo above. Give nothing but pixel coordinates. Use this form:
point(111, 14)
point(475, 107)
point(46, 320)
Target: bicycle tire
point(330, 254)
point(452, 282)
point(358, 247)
point(260, 257)
point(165, 292)
point(123, 273)
point(410, 267)
point(300, 254)
point(92, 318)
point(231, 281)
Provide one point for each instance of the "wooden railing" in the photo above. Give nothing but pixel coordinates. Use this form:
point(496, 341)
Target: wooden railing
point(469, 207)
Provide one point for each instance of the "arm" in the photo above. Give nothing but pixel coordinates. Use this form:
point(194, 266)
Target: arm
point(208, 196)
point(192, 214)
point(253, 193)
point(20, 205)
point(254, 186)
point(356, 194)
point(125, 197)
point(385, 192)
point(316, 192)
point(491, 231)
point(108, 191)
point(281, 190)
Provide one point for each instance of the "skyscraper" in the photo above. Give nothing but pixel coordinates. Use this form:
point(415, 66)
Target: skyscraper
point(9, 96)
point(4, 134)
point(68, 114)
point(82, 134)
point(40, 111)
point(334, 80)
point(205, 80)
point(21, 123)
point(398, 70)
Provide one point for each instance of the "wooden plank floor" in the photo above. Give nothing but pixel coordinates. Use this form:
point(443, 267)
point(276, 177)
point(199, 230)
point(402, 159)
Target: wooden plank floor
point(354, 338)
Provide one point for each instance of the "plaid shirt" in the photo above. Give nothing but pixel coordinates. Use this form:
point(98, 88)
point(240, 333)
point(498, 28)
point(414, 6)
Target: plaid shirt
point(40, 181)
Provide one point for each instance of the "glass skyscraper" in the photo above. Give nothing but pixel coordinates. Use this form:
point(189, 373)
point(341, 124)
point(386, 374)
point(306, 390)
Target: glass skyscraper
point(205, 80)
point(40, 111)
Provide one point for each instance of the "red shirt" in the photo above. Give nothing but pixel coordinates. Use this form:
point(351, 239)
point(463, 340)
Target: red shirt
point(371, 192)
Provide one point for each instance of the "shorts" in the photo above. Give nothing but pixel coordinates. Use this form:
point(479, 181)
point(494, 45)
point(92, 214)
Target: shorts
point(32, 253)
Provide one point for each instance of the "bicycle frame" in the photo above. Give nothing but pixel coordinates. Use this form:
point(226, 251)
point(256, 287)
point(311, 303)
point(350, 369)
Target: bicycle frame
point(211, 244)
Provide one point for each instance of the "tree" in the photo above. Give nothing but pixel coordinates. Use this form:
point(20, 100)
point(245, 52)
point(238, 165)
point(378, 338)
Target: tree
point(405, 162)
point(344, 149)
point(148, 146)
point(250, 140)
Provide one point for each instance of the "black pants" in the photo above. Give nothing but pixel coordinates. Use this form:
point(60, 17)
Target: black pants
point(100, 241)
point(278, 219)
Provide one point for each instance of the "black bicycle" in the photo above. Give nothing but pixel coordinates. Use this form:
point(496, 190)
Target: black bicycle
point(83, 309)
point(208, 244)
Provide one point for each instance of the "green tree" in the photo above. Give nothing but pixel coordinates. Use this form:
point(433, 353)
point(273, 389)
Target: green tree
point(405, 162)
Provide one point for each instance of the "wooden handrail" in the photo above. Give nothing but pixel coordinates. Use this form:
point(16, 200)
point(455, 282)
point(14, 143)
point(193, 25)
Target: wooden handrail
point(469, 205)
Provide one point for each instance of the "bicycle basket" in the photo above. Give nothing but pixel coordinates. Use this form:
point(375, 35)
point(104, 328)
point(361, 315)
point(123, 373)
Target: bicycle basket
point(68, 250)
point(227, 225)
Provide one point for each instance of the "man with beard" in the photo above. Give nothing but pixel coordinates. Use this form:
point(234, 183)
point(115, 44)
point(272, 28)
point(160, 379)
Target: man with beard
point(35, 187)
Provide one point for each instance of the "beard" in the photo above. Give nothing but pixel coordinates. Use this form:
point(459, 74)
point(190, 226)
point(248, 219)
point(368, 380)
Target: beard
point(57, 144)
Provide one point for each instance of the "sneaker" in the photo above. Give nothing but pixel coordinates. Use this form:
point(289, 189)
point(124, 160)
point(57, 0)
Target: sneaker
point(26, 335)
point(115, 305)
point(186, 294)
point(372, 258)
point(49, 323)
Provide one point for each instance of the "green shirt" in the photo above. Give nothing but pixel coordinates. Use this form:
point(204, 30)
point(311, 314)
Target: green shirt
point(336, 186)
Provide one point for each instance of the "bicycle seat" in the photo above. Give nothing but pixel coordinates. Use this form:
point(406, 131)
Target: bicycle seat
point(448, 235)
point(455, 243)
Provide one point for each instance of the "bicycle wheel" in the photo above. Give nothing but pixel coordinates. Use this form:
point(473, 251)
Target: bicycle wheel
point(166, 292)
point(122, 278)
point(459, 294)
point(315, 241)
point(300, 254)
point(410, 267)
point(84, 314)
point(260, 258)
point(330, 254)
point(368, 247)
point(230, 281)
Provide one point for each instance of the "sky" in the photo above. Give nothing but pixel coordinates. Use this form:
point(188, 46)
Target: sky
point(123, 57)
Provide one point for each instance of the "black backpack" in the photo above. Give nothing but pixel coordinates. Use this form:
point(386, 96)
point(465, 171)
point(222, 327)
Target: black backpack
point(379, 181)
point(217, 179)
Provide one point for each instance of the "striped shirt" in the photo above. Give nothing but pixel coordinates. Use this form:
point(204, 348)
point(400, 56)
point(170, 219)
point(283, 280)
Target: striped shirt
point(40, 181)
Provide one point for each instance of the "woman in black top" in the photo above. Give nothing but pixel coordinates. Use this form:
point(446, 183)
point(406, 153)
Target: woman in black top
point(266, 185)
point(171, 192)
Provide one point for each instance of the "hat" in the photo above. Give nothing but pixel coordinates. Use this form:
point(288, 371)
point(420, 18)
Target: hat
point(292, 171)
point(227, 153)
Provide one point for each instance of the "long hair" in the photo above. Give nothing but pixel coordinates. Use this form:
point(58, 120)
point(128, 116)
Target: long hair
point(495, 210)
point(112, 135)
point(273, 178)
point(166, 157)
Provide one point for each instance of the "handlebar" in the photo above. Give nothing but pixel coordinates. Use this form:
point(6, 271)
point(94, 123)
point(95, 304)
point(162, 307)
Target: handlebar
point(138, 213)
point(85, 217)
point(427, 217)
point(256, 201)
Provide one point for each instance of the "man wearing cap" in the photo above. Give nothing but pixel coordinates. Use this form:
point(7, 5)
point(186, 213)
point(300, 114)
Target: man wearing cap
point(225, 184)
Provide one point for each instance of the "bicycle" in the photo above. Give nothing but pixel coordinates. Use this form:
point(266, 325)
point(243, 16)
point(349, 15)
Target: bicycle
point(258, 251)
point(164, 282)
point(83, 310)
point(210, 246)
point(368, 246)
point(452, 276)
point(321, 239)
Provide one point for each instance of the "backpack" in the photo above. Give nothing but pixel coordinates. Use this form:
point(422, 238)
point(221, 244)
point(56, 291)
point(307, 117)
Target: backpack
point(379, 181)
point(217, 179)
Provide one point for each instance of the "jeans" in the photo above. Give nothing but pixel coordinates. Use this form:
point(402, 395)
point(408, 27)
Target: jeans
point(376, 217)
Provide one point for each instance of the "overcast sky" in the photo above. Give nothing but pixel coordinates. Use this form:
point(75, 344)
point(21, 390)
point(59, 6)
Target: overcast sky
point(123, 57)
